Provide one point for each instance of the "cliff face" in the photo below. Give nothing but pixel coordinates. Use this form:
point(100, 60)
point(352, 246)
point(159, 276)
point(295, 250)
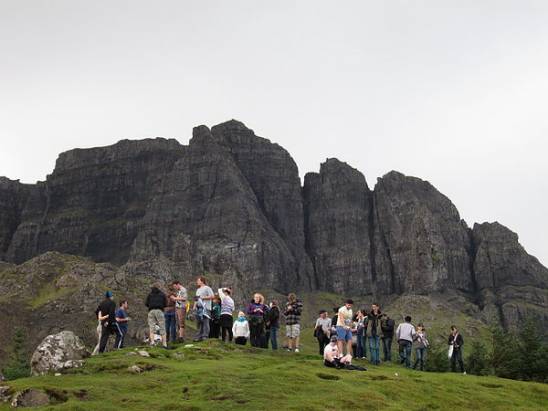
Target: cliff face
point(231, 204)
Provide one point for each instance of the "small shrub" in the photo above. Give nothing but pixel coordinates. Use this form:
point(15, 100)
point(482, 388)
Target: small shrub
point(478, 362)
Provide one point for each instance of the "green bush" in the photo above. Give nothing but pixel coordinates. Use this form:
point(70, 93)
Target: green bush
point(436, 359)
point(478, 362)
point(18, 365)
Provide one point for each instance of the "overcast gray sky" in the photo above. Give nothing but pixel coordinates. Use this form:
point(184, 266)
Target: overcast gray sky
point(454, 92)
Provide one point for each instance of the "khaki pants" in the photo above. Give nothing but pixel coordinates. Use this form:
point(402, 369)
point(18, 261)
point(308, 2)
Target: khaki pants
point(181, 317)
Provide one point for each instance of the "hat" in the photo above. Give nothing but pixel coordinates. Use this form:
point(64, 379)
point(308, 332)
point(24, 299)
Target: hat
point(333, 338)
point(108, 294)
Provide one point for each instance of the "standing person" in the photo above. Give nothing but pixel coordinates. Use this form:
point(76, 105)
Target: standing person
point(122, 320)
point(421, 345)
point(215, 323)
point(456, 340)
point(274, 320)
point(156, 302)
point(266, 338)
point(361, 325)
point(292, 313)
point(98, 331)
point(405, 333)
point(240, 329)
point(170, 316)
point(204, 293)
point(180, 309)
point(107, 315)
point(344, 327)
point(256, 311)
point(334, 320)
point(387, 327)
point(322, 330)
point(374, 333)
point(227, 308)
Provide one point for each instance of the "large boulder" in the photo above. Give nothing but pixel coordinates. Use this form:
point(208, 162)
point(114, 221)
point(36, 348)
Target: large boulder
point(58, 352)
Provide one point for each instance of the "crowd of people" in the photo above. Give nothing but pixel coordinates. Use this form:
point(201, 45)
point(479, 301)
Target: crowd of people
point(342, 338)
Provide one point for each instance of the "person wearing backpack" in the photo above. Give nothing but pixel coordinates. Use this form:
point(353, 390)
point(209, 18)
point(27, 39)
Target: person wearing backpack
point(387, 327)
point(256, 311)
point(456, 342)
point(421, 345)
point(156, 302)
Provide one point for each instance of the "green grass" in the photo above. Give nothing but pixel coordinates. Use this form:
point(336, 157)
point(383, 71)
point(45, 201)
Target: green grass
point(213, 374)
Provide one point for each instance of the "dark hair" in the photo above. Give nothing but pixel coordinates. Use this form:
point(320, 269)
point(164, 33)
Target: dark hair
point(407, 318)
point(376, 304)
point(322, 311)
point(122, 302)
point(335, 309)
point(202, 279)
point(175, 282)
point(364, 312)
point(453, 327)
point(227, 291)
point(349, 301)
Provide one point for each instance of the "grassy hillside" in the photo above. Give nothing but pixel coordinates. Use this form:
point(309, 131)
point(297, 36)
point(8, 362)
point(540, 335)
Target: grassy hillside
point(213, 374)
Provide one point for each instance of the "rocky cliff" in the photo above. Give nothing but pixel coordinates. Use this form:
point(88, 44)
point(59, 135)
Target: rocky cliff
point(231, 204)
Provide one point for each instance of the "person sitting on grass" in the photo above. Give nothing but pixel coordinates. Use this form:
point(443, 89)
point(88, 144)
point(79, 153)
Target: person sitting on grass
point(240, 329)
point(333, 358)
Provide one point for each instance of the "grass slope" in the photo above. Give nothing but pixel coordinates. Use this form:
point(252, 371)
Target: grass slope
point(212, 374)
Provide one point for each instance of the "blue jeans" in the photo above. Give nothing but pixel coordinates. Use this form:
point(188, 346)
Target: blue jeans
point(420, 357)
point(374, 349)
point(360, 344)
point(171, 326)
point(405, 352)
point(274, 337)
point(387, 348)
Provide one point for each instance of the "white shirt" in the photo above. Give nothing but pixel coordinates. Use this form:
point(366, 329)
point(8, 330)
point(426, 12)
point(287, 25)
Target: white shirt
point(330, 351)
point(347, 315)
point(405, 331)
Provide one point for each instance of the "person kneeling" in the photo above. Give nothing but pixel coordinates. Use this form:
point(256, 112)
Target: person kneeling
point(332, 356)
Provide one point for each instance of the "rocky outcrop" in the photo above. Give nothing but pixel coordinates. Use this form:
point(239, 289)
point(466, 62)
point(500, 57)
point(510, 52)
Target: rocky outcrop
point(421, 237)
point(93, 201)
point(512, 284)
point(337, 222)
point(230, 204)
point(57, 353)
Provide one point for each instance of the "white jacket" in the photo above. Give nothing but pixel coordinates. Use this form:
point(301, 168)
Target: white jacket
point(240, 329)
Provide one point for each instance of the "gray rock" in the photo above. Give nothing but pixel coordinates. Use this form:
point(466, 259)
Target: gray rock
point(58, 352)
point(5, 393)
point(30, 398)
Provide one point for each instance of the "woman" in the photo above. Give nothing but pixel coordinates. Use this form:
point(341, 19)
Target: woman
point(322, 330)
point(421, 344)
point(227, 308)
point(240, 329)
point(274, 321)
point(256, 311)
point(169, 314)
point(360, 331)
point(215, 327)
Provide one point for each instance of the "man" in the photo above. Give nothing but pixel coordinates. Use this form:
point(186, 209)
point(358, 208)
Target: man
point(332, 356)
point(293, 310)
point(456, 340)
point(387, 327)
point(156, 302)
point(107, 316)
point(344, 327)
point(405, 335)
point(180, 308)
point(322, 330)
point(122, 320)
point(374, 332)
point(204, 293)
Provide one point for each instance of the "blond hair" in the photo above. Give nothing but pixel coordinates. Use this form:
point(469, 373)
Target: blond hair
point(261, 297)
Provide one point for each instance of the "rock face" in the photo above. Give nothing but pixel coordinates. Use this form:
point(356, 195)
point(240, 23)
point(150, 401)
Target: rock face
point(230, 204)
point(58, 352)
point(513, 285)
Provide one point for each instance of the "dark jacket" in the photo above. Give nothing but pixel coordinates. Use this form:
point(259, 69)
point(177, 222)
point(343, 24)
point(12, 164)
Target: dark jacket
point(156, 300)
point(387, 327)
point(274, 317)
point(108, 307)
point(458, 343)
point(374, 326)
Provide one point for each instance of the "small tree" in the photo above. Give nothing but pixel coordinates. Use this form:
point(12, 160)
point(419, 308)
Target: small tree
point(478, 361)
point(504, 358)
point(437, 359)
point(532, 358)
point(18, 365)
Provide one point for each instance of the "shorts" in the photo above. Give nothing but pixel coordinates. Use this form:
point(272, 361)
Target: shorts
point(156, 318)
point(181, 316)
point(344, 334)
point(293, 330)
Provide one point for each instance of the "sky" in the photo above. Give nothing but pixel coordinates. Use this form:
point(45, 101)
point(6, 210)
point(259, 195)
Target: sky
point(453, 92)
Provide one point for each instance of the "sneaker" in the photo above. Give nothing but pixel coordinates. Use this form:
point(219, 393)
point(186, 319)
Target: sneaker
point(464, 373)
point(296, 350)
